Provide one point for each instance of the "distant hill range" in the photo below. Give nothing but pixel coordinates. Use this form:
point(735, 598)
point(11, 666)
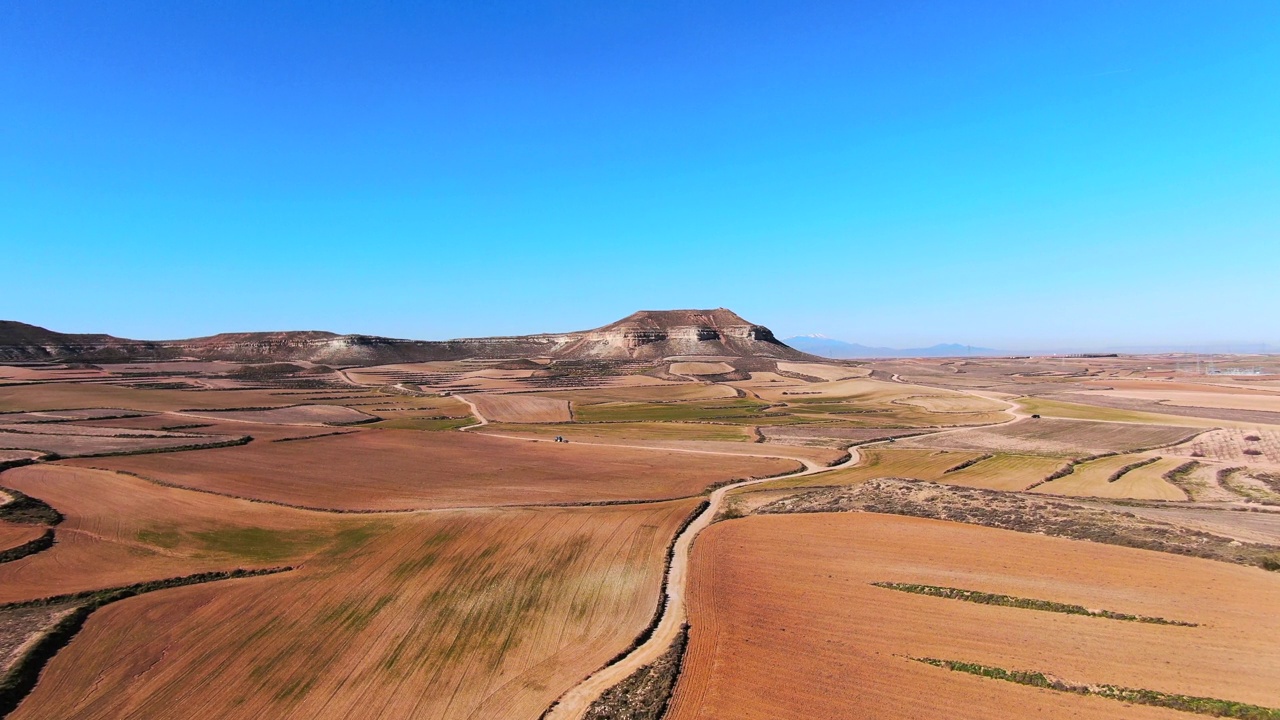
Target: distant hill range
point(645, 335)
point(829, 348)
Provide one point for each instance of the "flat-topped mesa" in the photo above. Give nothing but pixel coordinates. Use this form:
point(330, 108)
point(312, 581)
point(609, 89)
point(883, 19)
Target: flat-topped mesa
point(645, 335)
point(653, 334)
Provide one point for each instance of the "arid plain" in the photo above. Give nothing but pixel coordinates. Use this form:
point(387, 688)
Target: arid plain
point(673, 516)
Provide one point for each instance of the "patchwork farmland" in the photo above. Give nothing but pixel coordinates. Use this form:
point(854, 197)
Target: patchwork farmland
point(576, 535)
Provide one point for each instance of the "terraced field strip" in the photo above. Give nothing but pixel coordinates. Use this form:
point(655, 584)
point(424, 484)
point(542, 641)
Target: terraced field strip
point(1003, 471)
point(882, 461)
point(1093, 479)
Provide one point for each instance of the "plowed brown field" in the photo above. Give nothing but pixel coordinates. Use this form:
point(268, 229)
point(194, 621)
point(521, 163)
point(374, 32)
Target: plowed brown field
point(462, 614)
point(403, 469)
point(70, 440)
point(296, 415)
point(13, 534)
point(786, 625)
point(524, 408)
point(1057, 437)
point(120, 530)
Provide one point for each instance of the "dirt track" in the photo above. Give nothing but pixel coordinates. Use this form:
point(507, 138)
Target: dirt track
point(574, 703)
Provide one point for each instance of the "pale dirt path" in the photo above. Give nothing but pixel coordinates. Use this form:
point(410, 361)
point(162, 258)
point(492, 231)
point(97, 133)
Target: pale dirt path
point(574, 703)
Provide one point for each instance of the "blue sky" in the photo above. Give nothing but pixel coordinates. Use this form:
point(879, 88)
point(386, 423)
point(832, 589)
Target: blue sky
point(1007, 174)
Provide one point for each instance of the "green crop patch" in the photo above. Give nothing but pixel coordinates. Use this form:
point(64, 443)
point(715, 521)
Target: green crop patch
point(256, 543)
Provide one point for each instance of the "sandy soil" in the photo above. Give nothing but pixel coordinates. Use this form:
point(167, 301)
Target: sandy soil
point(522, 408)
point(700, 368)
point(459, 614)
point(823, 370)
point(1227, 400)
point(401, 469)
point(1228, 446)
point(785, 623)
point(1226, 415)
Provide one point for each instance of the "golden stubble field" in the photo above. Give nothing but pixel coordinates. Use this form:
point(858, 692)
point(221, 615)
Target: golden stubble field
point(436, 615)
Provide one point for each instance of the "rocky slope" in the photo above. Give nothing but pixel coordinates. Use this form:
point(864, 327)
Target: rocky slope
point(655, 334)
point(646, 335)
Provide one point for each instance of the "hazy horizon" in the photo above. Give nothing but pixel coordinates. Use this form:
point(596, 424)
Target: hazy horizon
point(1086, 176)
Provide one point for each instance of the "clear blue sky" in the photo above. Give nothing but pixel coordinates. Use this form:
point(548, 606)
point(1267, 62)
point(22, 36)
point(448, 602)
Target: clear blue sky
point(1008, 174)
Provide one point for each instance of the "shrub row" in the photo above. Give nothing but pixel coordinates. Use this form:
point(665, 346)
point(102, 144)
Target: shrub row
point(1136, 696)
point(31, 547)
point(967, 463)
point(1131, 467)
point(983, 598)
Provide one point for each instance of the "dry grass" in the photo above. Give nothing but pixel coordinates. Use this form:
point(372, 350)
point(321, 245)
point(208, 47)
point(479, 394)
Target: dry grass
point(954, 403)
point(1079, 411)
point(700, 368)
point(1093, 479)
point(1203, 397)
point(822, 370)
point(460, 614)
point(1004, 471)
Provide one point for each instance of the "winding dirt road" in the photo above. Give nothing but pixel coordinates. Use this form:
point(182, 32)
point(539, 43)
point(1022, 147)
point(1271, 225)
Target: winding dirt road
point(574, 703)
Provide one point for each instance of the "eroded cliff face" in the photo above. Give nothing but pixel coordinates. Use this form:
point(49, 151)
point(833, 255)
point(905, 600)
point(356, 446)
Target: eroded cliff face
point(653, 334)
point(645, 335)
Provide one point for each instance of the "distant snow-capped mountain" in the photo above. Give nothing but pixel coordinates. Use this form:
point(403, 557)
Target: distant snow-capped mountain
point(839, 349)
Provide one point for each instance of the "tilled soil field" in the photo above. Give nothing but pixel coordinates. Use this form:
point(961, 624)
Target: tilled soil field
point(786, 623)
point(459, 614)
point(408, 470)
